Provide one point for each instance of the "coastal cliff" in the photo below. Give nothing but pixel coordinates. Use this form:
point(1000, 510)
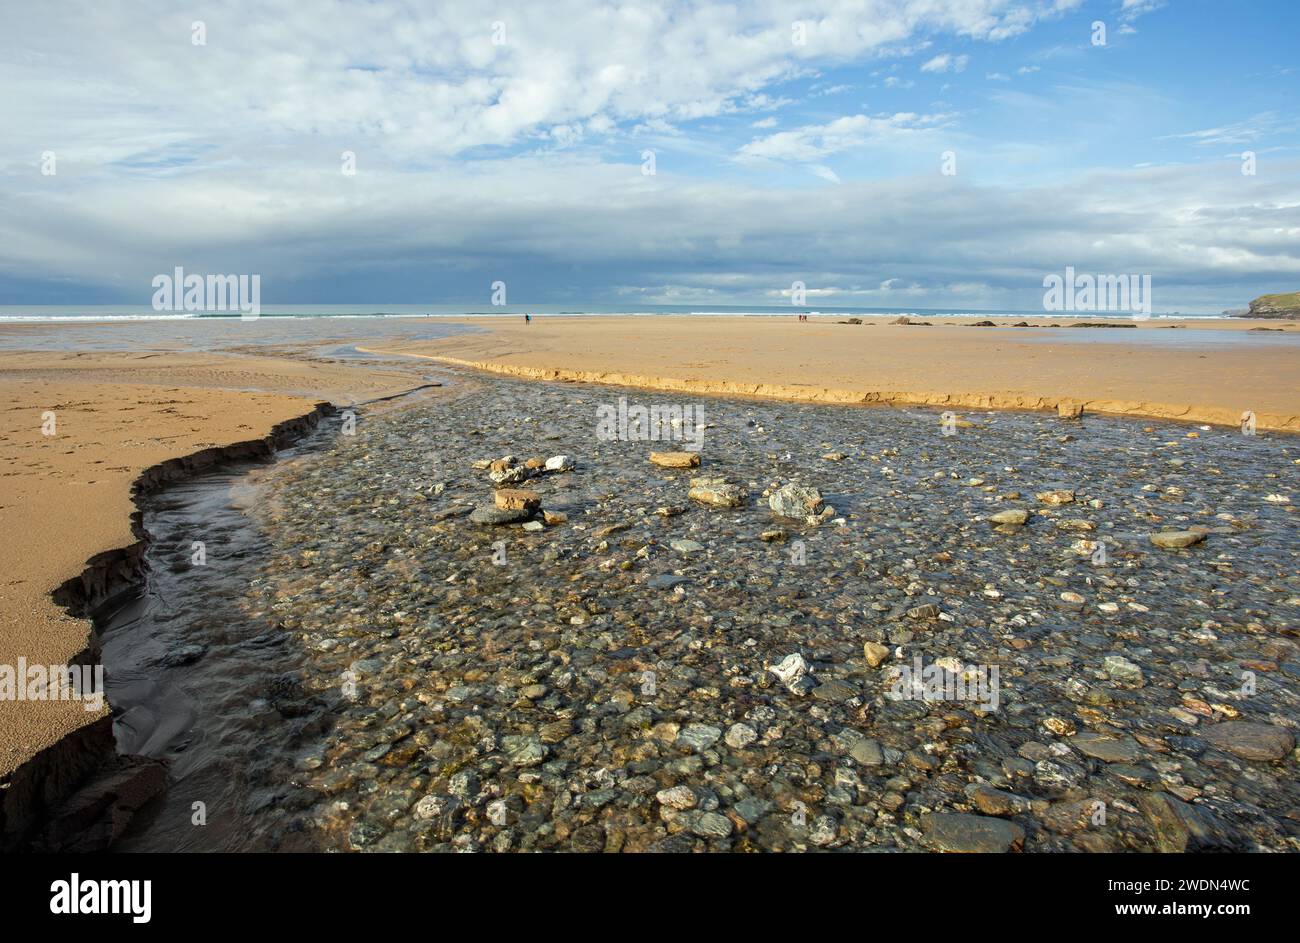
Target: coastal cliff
point(1282, 307)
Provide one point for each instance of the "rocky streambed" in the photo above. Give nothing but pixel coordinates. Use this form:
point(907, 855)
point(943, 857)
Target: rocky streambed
point(979, 632)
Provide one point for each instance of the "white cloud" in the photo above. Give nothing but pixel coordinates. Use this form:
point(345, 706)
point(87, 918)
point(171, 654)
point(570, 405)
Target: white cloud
point(113, 82)
point(945, 62)
point(813, 142)
point(1245, 131)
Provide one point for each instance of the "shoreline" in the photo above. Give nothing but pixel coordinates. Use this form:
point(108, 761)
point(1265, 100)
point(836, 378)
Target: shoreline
point(986, 368)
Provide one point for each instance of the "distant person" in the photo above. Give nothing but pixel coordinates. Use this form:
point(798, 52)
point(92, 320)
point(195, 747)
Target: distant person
point(528, 318)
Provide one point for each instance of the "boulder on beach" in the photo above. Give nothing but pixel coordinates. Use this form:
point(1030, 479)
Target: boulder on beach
point(517, 499)
point(716, 492)
point(1056, 496)
point(494, 515)
point(675, 459)
point(1015, 516)
point(795, 501)
point(1177, 539)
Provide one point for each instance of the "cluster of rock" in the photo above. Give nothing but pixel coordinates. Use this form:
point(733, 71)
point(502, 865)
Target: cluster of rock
point(511, 505)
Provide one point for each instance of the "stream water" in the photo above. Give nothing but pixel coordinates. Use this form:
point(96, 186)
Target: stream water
point(357, 665)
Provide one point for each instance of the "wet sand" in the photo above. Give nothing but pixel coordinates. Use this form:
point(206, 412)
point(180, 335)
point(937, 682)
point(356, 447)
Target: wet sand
point(1154, 370)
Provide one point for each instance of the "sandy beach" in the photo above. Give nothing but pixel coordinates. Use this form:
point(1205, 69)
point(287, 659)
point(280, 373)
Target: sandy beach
point(950, 363)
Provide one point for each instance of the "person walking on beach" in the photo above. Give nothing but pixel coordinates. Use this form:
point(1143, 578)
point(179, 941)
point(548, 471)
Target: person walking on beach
point(528, 318)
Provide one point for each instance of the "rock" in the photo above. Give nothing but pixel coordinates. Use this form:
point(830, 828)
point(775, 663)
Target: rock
point(1249, 740)
point(834, 457)
point(675, 459)
point(432, 806)
point(1121, 669)
point(874, 653)
point(524, 750)
point(686, 546)
point(534, 526)
point(698, 737)
point(1174, 539)
point(554, 517)
point(516, 499)
point(960, 832)
point(824, 831)
point(716, 492)
point(507, 471)
point(494, 515)
point(752, 809)
point(1056, 497)
point(665, 580)
point(677, 797)
point(463, 784)
point(182, 655)
point(711, 825)
point(1180, 827)
point(927, 611)
point(740, 736)
point(559, 463)
point(1015, 516)
point(772, 536)
point(992, 801)
point(795, 501)
point(1072, 600)
point(1069, 410)
point(1059, 726)
point(792, 671)
point(835, 692)
point(867, 752)
point(1107, 749)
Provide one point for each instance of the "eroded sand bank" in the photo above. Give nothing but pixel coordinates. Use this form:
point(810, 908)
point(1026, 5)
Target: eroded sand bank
point(66, 497)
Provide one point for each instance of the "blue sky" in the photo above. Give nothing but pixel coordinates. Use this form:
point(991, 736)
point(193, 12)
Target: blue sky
point(775, 160)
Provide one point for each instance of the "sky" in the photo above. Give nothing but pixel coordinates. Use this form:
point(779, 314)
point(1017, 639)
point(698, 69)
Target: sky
point(885, 153)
